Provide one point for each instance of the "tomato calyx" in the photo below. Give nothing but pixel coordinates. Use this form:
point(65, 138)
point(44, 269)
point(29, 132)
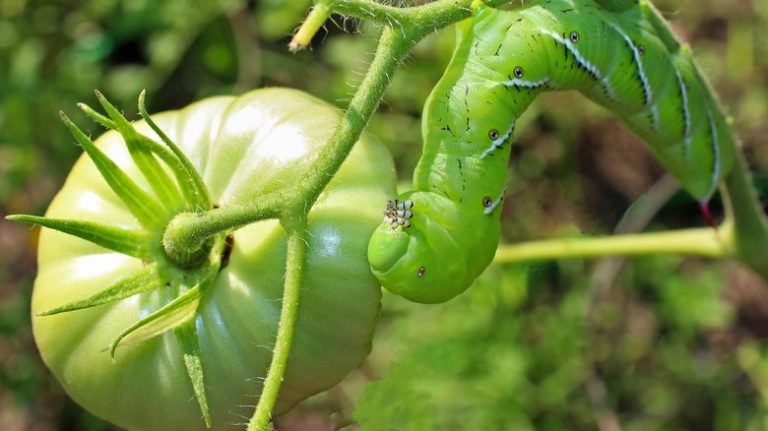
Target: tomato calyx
point(173, 187)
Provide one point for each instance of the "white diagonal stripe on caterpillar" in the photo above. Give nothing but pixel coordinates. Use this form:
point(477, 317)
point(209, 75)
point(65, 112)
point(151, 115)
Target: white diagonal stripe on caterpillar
point(715, 177)
point(586, 64)
point(647, 90)
point(497, 143)
point(686, 115)
point(488, 210)
point(524, 83)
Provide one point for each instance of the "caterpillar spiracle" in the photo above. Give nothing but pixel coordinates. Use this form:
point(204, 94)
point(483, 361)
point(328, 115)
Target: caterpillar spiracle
point(437, 239)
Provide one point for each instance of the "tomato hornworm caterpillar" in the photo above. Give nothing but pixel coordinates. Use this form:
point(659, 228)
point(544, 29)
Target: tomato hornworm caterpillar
point(620, 53)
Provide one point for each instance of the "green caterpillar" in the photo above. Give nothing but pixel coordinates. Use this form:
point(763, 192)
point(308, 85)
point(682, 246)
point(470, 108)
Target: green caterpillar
point(438, 238)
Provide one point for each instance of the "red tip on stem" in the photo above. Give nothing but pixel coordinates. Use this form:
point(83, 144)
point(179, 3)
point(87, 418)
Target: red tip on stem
point(704, 208)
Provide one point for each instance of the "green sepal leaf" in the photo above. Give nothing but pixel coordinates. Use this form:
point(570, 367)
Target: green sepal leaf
point(145, 208)
point(147, 279)
point(95, 116)
point(161, 151)
point(186, 334)
point(158, 149)
point(157, 177)
point(194, 187)
point(169, 316)
point(133, 243)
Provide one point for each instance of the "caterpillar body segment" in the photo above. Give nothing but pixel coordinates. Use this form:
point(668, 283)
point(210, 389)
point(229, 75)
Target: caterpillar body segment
point(407, 255)
point(619, 53)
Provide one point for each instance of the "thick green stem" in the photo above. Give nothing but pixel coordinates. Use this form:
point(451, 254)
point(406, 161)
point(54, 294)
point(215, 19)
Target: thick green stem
point(316, 18)
point(393, 46)
point(369, 10)
point(294, 274)
point(431, 16)
point(186, 236)
point(705, 242)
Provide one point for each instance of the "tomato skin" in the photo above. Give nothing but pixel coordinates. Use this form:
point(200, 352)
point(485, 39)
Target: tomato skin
point(244, 147)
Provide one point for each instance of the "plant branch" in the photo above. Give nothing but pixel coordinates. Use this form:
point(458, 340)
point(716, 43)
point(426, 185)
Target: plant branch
point(393, 46)
point(705, 242)
point(434, 15)
point(294, 274)
point(188, 232)
point(316, 18)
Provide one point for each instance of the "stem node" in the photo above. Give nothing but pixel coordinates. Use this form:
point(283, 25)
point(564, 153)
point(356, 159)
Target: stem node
point(184, 245)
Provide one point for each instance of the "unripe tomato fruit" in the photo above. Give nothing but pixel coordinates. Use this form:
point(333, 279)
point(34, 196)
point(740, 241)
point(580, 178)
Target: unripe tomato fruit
point(244, 147)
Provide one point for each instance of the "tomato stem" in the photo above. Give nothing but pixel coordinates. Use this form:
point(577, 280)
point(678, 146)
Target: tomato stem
point(294, 274)
point(187, 234)
point(706, 242)
point(316, 18)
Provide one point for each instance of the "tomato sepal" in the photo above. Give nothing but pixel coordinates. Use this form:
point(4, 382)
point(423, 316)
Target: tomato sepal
point(147, 279)
point(194, 188)
point(131, 242)
point(144, 207)
point(157, 177)
point(186, 335)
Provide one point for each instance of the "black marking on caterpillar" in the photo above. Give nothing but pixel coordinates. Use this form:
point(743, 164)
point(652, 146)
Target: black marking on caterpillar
point(645, 85)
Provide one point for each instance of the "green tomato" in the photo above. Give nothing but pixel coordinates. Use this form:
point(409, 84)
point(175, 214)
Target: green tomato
point(244, 147)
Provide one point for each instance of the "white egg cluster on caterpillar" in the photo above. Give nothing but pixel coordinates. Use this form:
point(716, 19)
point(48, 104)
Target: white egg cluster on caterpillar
point(619, 53)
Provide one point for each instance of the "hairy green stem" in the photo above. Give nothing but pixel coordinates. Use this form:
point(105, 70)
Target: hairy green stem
point(432, 16)
point(706, 242)
point(186, 235)
point(370, 10)
point(294, 274)
point(393, 46)
point(316, 19)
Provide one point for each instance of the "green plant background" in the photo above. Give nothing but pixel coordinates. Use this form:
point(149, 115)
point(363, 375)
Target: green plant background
point(656, 343)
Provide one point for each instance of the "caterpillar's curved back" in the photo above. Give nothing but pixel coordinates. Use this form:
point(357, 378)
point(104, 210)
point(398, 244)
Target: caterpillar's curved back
point(437, 239)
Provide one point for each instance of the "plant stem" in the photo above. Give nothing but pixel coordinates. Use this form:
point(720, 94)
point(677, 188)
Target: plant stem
point(316, 18)
point(393, 46)
point(366, 9)
point(431, 16)
point(294, 274)
point(705, 242)
point(188, 232)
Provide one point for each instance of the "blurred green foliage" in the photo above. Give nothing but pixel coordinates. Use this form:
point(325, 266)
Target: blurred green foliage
point(645, 344)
